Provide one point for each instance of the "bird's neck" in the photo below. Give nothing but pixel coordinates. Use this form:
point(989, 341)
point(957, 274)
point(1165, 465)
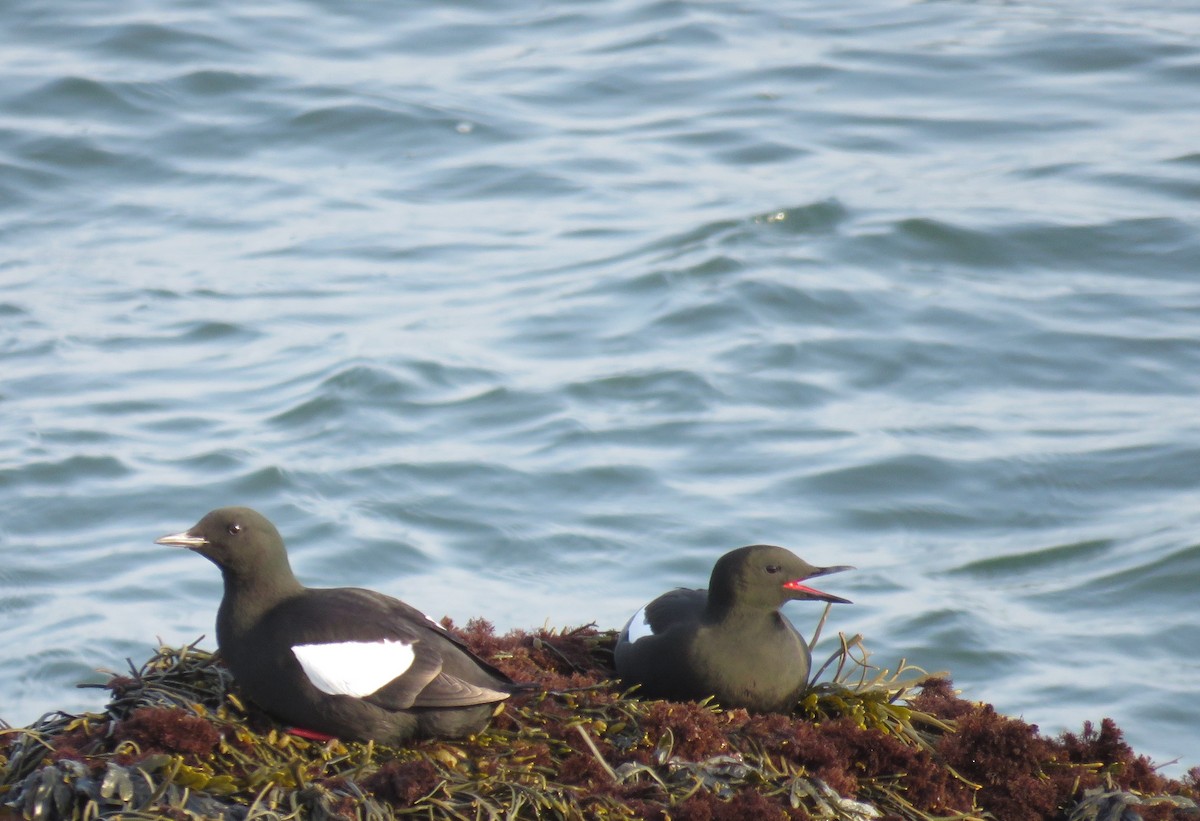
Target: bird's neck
point(249, 596)
point(728, 612)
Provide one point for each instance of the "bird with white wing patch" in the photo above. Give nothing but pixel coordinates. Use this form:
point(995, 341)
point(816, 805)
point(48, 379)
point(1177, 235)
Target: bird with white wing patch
point(341, 662)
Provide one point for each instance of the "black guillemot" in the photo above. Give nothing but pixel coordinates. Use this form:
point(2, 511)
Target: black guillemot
point(341, 662)
point(729, 641)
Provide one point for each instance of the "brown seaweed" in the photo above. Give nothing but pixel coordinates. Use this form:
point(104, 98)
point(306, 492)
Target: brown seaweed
point(176, 741)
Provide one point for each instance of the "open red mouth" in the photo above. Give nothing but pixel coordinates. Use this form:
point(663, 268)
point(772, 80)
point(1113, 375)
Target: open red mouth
point(807, 592)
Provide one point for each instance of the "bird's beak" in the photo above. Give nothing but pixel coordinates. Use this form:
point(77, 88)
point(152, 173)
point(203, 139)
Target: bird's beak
point(802, 591)
point(184, 539)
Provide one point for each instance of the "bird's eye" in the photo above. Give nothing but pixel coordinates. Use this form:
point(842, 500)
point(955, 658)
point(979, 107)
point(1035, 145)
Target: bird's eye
point(234, 529)
point(773, 568)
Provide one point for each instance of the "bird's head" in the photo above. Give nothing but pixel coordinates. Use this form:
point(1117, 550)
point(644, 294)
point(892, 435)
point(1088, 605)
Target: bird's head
point(766, 576)
point(240, 541)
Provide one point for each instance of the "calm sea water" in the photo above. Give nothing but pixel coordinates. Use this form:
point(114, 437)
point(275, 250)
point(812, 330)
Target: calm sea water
point(532, 313)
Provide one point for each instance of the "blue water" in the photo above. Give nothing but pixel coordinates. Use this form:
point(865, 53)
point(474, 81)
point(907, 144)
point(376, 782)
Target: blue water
point(532, 313)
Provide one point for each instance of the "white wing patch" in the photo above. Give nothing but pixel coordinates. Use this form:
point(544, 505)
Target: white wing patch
point(638, 627)
point(353, 668)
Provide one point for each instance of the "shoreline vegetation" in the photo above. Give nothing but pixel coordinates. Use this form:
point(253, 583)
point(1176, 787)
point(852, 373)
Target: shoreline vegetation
point(176, 742)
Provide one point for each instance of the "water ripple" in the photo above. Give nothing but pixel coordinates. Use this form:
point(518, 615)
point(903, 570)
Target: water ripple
point(529, 314)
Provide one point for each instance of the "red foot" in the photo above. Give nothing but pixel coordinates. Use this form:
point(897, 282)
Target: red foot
point(311, 735)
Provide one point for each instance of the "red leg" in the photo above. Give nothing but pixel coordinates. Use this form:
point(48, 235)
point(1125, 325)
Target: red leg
point(311, 735)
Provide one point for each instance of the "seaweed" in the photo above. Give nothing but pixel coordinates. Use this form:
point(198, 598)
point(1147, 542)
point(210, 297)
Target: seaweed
point(176, 741)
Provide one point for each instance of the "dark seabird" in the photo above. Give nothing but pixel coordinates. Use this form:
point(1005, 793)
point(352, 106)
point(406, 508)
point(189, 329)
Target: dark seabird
point(729, 641)
point(342, 662)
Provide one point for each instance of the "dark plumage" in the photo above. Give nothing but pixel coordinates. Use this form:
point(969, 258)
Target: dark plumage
point(729, 641)
point(345, 662)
